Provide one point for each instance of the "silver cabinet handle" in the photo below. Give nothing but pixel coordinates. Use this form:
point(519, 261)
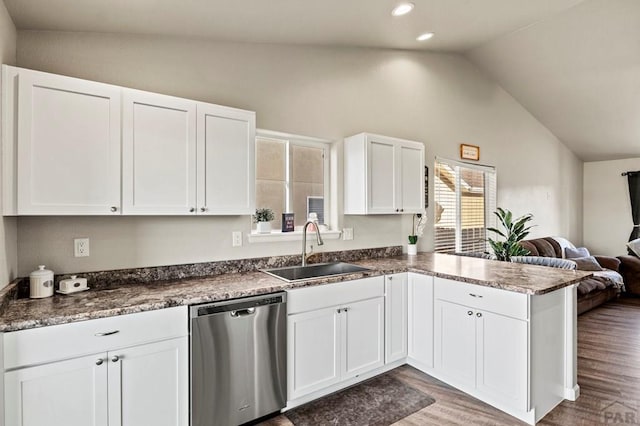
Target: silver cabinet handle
point(243, 312)
point(107, 333)
point(469, 313)
point(99, 361)
point(115, 358)
point(113, 209)
point(479, 296)
point(479, 314)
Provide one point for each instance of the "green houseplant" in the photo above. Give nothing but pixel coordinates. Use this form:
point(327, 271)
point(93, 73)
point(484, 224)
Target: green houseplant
point(263, 218)
point(515, 230)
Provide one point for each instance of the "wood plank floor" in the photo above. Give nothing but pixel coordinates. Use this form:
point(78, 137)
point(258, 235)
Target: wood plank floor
point(608, 375)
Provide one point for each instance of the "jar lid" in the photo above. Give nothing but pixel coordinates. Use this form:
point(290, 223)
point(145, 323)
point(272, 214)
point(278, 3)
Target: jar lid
point(41, 272)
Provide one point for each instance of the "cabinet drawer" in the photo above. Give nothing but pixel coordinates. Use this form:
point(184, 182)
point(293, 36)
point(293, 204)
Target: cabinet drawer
point(322, 296)
point(45, 344)
point(502, 302)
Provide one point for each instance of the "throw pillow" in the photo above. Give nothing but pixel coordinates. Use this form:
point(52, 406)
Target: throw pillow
point(634, 246)
point(572, 253)
point(588, 263)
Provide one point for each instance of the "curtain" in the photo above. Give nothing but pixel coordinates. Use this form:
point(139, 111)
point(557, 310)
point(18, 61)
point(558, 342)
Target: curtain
point(634, 195)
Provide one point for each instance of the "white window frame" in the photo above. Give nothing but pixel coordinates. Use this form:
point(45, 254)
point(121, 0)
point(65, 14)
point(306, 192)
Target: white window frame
point(311, 142)
point(489, 204)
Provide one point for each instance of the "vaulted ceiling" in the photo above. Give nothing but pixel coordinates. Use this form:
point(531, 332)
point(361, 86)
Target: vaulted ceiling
point(574, 64)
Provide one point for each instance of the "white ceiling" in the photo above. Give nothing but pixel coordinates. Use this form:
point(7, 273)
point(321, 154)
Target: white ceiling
point(574, 64)
point(578, 72)
point(459, 24)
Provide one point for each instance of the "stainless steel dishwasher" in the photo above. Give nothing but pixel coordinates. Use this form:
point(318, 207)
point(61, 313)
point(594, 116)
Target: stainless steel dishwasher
point(238, 360)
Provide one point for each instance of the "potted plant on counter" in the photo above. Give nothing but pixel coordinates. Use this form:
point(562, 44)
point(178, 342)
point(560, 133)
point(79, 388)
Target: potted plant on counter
point(263, 218)
point(416, 231)
point(515, 230)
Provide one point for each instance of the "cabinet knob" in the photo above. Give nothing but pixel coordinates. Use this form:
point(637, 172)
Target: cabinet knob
point(203, 209)
point(192, 209)
point(401, 210)
point(113, 209)
point(397, 210)
point(469, 313)
point(338, 310)
point(115, 358)
point(479, 314)
point(390, 278)
point(99, 361)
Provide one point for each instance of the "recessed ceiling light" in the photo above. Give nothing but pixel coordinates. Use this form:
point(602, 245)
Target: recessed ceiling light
point(402, 9)
point(425, 36)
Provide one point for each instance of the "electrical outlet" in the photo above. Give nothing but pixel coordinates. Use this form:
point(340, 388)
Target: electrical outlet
point(81, 247)
point(347, 234)
point(236, 238)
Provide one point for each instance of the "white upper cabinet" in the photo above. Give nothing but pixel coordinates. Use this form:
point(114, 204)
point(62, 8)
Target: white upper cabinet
point(77, 147)
point(62, 153)
point(158, 154)
point(383, 175)
point(226, 160)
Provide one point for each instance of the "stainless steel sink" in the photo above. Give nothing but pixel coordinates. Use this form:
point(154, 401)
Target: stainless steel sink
point(309, 272)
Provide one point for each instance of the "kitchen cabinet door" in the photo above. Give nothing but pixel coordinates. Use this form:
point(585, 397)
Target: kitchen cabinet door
point(69, 393)
point(226, 160)
point(68, 146)
point(420, 315)
point(411, 182)
point(382, 179)
point(363, 336)
point(313, 351)
point(159, 154)
point(395, 335)
point(149, 384)
point(502, 358)
point(455, 342)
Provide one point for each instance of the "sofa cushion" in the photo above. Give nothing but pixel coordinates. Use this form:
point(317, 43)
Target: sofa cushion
point(544, 247)
point(572, 253)
point(533, 251)
point(557, 248)
point(553, 262)
point(634, 246)
point(588, 263)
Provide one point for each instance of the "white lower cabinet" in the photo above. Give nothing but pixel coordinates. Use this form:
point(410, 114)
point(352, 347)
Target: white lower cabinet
point(145, 384)
point(420, 321)
point(335, 333)
point(479, 350)
point(396, 293)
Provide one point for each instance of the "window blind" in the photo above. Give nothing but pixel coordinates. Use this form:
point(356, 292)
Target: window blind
point(465, 199)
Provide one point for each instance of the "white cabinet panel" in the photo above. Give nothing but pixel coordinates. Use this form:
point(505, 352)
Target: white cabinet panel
point(363, 334)
point(69, 393)
point(390, 171)
point(68, 155)
point(420, 319)
point(455, 342)
point(313, 350)
point(226, 160)
point(159, 154)
point(396, 292)
point(382, 177)
point(148, 384)
point(502, 358)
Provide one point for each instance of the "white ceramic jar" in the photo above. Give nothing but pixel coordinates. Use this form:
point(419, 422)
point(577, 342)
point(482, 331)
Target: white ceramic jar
point(41, 283)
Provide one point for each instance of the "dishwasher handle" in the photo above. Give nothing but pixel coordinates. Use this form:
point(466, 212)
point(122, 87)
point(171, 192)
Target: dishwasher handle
point(243, 312)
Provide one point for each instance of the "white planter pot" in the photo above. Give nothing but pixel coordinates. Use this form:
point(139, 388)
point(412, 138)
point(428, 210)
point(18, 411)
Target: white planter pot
point(412, 249)
point(263, 227)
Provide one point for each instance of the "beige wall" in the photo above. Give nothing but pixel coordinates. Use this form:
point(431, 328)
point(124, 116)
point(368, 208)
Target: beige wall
point(330, 93)
point(607, 209)
point(8, 226)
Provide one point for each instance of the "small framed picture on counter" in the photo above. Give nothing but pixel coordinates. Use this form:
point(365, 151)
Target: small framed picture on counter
point(469, 152)
point(287, 222)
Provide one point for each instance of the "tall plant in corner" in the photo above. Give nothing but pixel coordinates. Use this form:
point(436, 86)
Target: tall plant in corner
point(515, 230)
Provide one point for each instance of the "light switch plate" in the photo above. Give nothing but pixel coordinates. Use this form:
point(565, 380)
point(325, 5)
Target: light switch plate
point(236, 238)
point(81, 247)
point(347, 234)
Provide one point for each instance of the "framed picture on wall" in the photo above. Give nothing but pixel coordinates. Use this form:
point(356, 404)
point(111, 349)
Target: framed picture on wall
point(469, 152)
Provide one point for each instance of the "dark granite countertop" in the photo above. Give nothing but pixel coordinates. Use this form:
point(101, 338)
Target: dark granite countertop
point(21, 314)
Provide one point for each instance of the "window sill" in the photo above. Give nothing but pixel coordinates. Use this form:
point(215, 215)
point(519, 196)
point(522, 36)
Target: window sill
point(277, 236)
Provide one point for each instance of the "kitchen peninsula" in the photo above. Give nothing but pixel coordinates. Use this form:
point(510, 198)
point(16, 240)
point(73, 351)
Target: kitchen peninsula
point(504, 333)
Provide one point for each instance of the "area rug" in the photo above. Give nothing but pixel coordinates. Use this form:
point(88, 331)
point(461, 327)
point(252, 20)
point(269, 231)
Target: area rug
point(380, 401)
